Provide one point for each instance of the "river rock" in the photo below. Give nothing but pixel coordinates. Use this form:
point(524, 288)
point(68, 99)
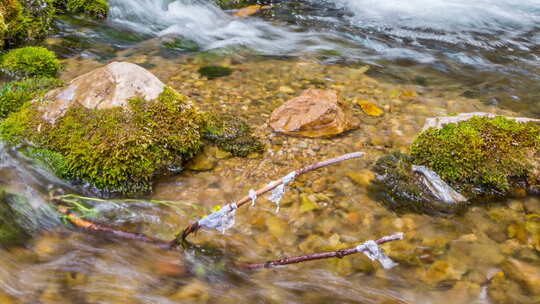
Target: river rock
point(103, 88)
point(315, 113)
point(524, 272)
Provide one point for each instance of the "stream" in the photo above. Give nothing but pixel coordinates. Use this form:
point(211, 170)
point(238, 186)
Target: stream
point(415, 59)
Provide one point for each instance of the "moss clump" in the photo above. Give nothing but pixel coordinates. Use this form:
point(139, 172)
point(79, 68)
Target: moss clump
point(482, 158)
point(51, 160)
point(215, 71)
point(116, 150)
point(493, 154)
point(25, 20)
point(30, 62)
point(14, 94)
point(93, 8)
point(231, 134)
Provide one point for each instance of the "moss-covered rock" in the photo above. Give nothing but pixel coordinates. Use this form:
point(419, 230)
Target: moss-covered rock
point(14, 94)
point(30, 62)
point(482, 158)
point(116, 150)
point(231, 134)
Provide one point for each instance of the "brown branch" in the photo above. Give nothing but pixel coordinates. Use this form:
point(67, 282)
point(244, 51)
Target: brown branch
point(317, 256)
point(87, 225)
point(194, 227)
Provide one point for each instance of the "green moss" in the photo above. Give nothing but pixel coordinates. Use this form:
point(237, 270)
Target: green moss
point(93, 8)
point(50, 160)
point(231, 134)
point(215, 71)
point(26, 20)
point(14, 94)
point(116, 150)
point(490, 153)
point(30, 62)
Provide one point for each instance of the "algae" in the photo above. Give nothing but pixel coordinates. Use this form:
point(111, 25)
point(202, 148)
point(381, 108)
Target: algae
point(215, 71)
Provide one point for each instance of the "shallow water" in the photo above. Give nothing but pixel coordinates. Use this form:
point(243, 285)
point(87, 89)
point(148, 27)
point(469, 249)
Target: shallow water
point(442, 260)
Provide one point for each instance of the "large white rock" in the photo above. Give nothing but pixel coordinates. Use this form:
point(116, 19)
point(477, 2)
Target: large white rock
point(103, 88)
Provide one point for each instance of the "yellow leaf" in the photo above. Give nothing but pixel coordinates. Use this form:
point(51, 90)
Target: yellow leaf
point(370, 108)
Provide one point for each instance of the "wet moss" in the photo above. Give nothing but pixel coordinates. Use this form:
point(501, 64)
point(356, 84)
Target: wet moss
point(493, 154)
point(25, 20)
point(14, 94)
point(116, 150)
point(231, 134)
point(30, 62)
point(215, 71)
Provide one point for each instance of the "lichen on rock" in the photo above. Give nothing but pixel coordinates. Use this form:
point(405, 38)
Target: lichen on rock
point(481, 158)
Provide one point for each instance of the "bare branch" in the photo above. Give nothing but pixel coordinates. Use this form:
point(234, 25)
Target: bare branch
point(318, 256)
point(269, 187)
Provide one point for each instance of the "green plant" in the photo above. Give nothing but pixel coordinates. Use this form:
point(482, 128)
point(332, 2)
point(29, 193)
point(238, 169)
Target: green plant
point(30, 62)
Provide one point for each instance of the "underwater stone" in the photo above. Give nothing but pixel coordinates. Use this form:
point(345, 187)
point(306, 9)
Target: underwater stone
point(315, 113)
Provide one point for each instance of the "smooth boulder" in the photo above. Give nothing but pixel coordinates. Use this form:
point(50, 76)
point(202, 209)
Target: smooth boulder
point(315, 113)
point(104, 88)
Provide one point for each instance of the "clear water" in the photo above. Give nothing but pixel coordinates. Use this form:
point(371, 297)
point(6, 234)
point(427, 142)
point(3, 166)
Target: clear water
point(446, 51)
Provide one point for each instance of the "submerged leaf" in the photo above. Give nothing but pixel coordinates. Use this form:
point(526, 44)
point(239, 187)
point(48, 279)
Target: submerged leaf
point(369, 108)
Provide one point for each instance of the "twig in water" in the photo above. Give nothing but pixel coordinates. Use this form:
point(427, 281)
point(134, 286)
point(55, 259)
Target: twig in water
point(373, 254)
point(269, 187)
point(87, 225)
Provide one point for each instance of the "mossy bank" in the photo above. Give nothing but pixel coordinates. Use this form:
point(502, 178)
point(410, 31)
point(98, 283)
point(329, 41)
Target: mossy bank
point(482, 158)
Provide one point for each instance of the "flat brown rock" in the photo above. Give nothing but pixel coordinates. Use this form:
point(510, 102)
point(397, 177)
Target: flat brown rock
point(103, 88)
point(315, 113)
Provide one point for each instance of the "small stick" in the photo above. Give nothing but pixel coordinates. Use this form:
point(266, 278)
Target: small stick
point(269, 187)
point(87, 225)
point(318, 256)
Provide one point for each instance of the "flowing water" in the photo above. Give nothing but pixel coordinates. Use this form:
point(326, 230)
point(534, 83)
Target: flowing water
point(426, 58)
